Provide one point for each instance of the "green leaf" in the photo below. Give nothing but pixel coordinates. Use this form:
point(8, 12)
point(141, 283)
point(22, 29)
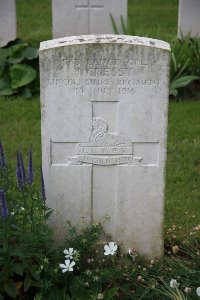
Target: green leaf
point(124, 28)
point(3, 84)
point(17, 252)
point(5, 246)
point(16, 53)
point(30, 53)
point(48, 214)
point(27, 283)
point(18, 49)
point(3, 275)
point(183, 81)
point(15, 60)
point(1, 297)
point(26, 93)
point(5, 89)
point(34, 273)
point(96, 288)
point(6, 92)
point(37, 297)
point(21, 75)
point(173, 92)
point(4, 53)
point(79, 292)
point(110, 293)
point(11, 289)
point(114, 25)
point(18, 268)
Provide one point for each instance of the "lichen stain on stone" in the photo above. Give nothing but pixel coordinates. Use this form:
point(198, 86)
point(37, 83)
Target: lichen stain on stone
point(62, 42)
point(152, 43)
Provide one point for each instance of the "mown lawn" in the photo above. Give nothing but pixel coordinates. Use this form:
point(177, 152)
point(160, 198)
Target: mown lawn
point(20, 119)
point(157, 18)
point(182, 205)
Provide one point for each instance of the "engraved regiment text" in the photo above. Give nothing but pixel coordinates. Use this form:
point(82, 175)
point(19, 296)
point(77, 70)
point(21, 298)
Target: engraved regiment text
point(105, 76)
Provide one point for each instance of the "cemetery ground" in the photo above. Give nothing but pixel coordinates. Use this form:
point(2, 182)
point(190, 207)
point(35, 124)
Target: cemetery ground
point(97, 276)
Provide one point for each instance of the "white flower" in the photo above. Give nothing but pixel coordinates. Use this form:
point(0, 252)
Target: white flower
point(174, 284)
point(68, 266)
point(187, 290)
point(130, 251)
point(69, 253)
point(111, 248)
point(198, 291)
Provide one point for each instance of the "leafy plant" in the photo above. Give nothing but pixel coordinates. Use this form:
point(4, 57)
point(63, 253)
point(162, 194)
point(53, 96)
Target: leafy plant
point(185, 63)
point(24, 235)
point(18, 69)
point(94, 269)
point(126, 28)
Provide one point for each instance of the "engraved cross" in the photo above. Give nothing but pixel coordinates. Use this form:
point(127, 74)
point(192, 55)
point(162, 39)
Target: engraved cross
point(89, 6)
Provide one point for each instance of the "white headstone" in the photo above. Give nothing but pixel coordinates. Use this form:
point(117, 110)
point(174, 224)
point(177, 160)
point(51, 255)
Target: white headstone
point(75, 17)
point(7, 21)
point(189, 18)
point(104, 102)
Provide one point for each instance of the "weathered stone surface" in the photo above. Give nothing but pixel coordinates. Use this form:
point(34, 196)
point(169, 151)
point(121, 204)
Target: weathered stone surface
point(104, 106)
point(7, 21)
point(189, 18)
point(75, 17)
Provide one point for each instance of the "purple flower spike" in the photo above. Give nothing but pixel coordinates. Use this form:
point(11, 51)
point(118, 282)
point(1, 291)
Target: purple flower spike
point(22, 169)
point(43, 192)
point(19, 172)
point(2, 156)
point(30, 167)
point(4, 209)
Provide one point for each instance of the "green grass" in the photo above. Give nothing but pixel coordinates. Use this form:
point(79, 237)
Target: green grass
point(20, 119)
point(156, 19)
point(20, 128)
point(34, 20)
point(183, 165)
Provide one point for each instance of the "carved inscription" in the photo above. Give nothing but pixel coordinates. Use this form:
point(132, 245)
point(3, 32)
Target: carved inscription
point(101, 76)
point(104, 87)
point(105, 161)
point(102, 142)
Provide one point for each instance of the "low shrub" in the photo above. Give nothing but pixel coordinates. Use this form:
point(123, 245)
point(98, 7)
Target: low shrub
point(91, 266)
point(185, 67)
point(19, 69)
point(24, 234)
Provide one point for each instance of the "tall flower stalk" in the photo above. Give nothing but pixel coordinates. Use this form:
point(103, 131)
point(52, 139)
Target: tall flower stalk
point(4, 209)
point(2, 156)
point(21, 182)
point(20, 172)
point(43, 191)
point(30, 168)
